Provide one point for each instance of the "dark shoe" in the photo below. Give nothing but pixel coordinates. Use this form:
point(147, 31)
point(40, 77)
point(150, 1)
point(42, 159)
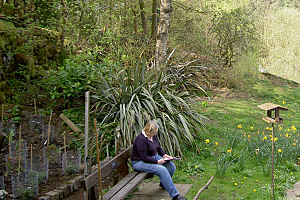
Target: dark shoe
point(162, 187)
point(178, 197)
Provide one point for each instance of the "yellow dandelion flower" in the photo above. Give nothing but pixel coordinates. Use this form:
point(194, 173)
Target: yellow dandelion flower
point(254, 190)
point(245, 177)
point(217, 143)
point(267, 128)
point(293, 128)
point(207, 141)
point(256, 180)
point(283, 102)
point(288, 130)
point(270, 136)
point(286, 135)
point(249, 136)
point(292, 173)
point(280, 128)
point(251, 127)
point(271, 128)
point(280, 135)
point(294, 144)
point(265, 138)
point(275, 139)
point(263, 133)
point(229, 150)
point(239, 126)
point(279, 150)
point(235, 184)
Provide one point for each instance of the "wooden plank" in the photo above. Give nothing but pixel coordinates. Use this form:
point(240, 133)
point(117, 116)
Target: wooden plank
point(120, 185)
point(127, 189)
point(269, 120)
point(107, 169)
point(123, 170)
point(69, 123)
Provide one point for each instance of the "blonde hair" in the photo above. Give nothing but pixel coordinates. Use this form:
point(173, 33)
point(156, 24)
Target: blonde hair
point(151, 128)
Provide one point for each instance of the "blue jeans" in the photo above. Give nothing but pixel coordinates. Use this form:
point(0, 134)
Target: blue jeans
point(164, 171)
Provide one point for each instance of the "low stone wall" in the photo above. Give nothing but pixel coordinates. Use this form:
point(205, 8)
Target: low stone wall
point(64, 190)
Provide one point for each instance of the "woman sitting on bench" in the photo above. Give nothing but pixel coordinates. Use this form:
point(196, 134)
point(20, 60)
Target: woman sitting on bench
point(148, 156)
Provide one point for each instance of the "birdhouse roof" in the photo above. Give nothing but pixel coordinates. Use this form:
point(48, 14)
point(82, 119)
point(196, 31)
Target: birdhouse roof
point(271, 107)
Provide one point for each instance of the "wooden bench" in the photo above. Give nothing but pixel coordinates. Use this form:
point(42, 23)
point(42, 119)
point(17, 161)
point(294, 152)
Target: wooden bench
point(124, 187)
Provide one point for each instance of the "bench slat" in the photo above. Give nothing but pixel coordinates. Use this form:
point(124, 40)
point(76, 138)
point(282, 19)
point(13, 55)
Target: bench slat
point(119, 185)
point(107, 169)
point(128, 188)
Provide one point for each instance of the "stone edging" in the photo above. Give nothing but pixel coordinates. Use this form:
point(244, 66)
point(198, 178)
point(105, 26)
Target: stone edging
point(63, 190)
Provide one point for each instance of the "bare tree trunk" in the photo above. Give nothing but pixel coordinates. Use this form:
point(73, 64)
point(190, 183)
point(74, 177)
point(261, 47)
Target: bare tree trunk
point(154, 18)
point(144, 18)
point(63, 27)
point(135, 20)
point(162, 34)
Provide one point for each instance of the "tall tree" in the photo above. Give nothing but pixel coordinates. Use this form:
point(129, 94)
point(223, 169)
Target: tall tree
point(63, 26)
point(144, 18)
point(154, 17)
point(134, 12)
point(162, 33)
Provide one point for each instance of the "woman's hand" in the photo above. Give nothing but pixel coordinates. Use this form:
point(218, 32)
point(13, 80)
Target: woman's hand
point(167, 156)
point(161, 161)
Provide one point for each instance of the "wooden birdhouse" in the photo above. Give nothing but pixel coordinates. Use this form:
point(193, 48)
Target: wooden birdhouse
point(270, 107)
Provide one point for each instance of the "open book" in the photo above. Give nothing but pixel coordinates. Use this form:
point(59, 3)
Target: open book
point(173, 158)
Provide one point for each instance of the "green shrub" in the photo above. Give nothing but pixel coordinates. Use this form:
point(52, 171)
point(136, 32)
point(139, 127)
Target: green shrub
point(74, 77)
point(127, 100)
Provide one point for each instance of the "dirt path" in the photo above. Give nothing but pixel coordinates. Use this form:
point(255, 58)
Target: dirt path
point(294, 194)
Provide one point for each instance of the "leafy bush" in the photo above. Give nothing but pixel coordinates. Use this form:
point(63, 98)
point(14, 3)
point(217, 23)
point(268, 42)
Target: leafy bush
point(74, 77)
point(71, 169)
point(126, 101)
point(233, 30)
point(281, 43)
point(193, 168)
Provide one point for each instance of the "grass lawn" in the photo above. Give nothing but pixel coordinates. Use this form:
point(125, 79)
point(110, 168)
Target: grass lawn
point(236, 149)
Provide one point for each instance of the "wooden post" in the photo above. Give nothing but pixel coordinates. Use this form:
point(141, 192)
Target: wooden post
point(19, 164)
point(86, 135)
point(49, 129)
point(91, 154)
point(272, 185)
point(34, 102)
point(9, 144)
point(98, 158)
point(107, 153)
point(31, 157)
point(65, 148)
point(2, 113)
point(70, 123)
point(86, 131)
